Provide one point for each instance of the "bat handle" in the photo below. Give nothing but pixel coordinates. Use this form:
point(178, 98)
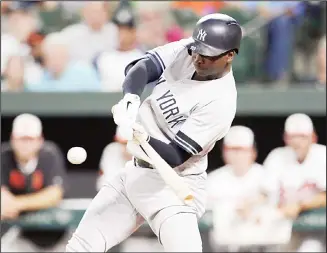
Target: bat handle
point(186, 196)
point(188, 199)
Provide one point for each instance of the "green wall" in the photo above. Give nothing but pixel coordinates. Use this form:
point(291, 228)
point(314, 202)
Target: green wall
point(251, 101)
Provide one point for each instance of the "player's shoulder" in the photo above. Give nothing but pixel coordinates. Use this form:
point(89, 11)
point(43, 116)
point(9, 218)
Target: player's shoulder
point(50, 148)
point(226, 84)
point(280, 153)
point(183, 43)
point(222, 90)
point(257, 167)
point(172, 47)
point(219, 106)
point(319, 149)
point(6, 149)
point(219, 98)
point(278, 157)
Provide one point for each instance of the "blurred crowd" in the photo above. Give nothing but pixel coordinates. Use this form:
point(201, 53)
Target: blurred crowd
point(65, 46)
point(253, 205)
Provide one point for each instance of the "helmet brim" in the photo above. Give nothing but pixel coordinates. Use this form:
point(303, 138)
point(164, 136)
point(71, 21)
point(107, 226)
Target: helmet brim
point(206, 50)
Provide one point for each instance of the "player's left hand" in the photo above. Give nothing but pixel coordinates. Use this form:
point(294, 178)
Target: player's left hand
point(139, 133)
point(125, 112)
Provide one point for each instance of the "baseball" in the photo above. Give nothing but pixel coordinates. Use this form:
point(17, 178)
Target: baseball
point(76, 155)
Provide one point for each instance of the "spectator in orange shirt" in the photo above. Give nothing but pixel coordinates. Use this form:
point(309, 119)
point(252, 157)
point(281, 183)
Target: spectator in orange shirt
point(200, 8)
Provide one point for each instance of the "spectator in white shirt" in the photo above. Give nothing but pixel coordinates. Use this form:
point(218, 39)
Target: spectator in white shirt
point(111, 64)
point(299, 170)
point(93, 35)
point(239, 155)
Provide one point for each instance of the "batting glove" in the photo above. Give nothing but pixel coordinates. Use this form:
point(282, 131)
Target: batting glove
point(125, 112)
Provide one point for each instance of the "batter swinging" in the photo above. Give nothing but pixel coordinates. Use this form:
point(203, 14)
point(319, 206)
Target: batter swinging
point(191, 107)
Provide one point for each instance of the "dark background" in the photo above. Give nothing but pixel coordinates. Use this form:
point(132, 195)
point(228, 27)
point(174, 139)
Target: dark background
point(94, 133)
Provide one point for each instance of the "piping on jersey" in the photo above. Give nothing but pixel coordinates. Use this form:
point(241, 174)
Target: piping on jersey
point(160, 80)
point(171, 140)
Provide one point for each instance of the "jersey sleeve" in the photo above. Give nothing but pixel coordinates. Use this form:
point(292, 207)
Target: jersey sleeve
point(164, 55)
point(205, 126)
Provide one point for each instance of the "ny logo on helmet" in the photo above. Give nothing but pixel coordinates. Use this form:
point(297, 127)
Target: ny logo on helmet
point(201, 35)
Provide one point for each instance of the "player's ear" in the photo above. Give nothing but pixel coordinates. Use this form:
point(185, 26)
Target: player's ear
point(314, 137)
point(230, 56)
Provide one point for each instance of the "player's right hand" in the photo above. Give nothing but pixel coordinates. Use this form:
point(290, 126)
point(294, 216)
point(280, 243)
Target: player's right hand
point(125, 112)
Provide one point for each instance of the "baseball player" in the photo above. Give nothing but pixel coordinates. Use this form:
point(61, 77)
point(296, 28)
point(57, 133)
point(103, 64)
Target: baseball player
point(191, 107)
point(240, 175)
point(299, 172)
point(239, 198)
point(33, 177)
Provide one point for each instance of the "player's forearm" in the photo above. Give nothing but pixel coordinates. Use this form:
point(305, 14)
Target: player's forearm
point(138, 76)
point(171, 153)
point(318, 201)
point(45, 198)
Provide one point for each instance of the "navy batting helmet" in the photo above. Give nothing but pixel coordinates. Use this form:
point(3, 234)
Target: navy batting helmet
point(216, 34)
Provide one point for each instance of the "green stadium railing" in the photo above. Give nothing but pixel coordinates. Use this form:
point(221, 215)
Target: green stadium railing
point(251, 101)
point(70, 212)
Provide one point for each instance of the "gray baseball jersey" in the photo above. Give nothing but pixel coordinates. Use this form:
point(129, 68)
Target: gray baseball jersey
point(193, 113)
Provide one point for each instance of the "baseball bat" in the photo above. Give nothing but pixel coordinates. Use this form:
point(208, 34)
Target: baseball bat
point(167, 173)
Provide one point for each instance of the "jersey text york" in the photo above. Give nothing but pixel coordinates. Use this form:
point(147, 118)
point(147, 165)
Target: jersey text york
point(170, 110)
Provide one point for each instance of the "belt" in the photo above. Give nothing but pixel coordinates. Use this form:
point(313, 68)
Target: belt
point(141, 163)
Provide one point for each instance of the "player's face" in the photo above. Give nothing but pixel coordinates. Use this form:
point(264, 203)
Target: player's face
point(207, 66)
point(26, 147)
point(239, 158)
point(299, 143)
